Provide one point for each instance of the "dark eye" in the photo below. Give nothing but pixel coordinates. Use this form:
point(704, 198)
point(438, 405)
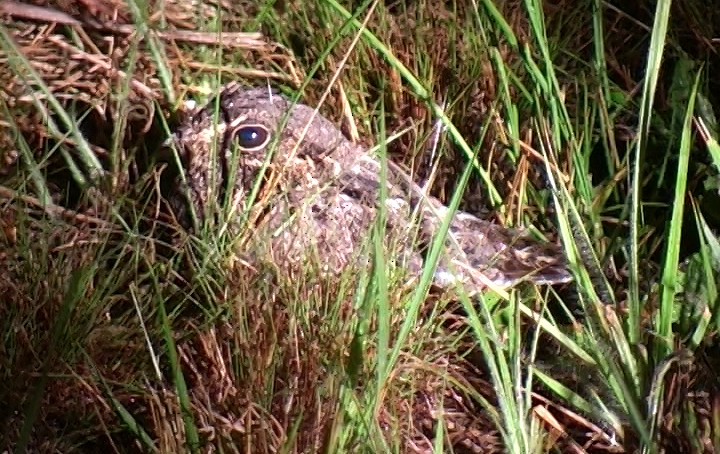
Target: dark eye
point(252, 137)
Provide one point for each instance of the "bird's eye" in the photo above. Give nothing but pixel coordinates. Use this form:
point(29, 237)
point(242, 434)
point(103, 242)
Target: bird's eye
point(252, 137)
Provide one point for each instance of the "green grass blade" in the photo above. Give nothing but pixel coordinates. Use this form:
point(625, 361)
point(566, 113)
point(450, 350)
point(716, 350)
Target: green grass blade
point(652, 74)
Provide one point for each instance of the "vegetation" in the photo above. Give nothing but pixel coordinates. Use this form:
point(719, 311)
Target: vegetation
point(591, 122)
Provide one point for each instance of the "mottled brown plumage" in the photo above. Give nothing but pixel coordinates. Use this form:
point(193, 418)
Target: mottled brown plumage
point(327, 193)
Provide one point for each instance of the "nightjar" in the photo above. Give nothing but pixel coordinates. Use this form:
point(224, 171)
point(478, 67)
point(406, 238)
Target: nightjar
point(321, 196)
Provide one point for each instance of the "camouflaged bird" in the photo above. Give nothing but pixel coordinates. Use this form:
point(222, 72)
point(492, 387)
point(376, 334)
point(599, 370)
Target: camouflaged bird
point(326, 195)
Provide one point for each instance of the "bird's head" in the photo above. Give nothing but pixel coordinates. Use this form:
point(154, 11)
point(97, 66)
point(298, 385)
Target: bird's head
point(243, 133)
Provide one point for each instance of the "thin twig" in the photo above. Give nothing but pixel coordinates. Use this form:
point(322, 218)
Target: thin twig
point(244, 40)
point(54, 210)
